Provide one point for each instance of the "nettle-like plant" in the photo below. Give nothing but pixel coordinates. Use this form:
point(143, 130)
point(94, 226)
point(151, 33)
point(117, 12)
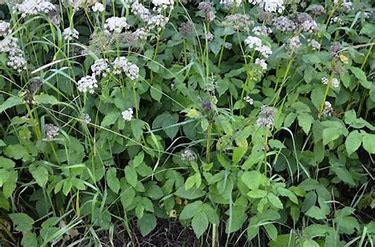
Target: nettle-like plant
point(250, 122)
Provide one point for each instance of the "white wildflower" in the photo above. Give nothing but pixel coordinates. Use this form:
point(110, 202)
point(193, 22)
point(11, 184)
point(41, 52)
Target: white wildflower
point(270, 5)
point(120, 65)
point(34, 7)
point(253, 42)
point(140, 11)
point(228, 45)
point(132, 71)
point(314, 44)
point(261, 30)
point(98, 7)
point(86, 118)
point(249, 100)
point(127, 115)
point(327, 110)
point(231, 3)
point(4, 28)
point(70, 34)
point(115, 24)
point(87, 84)
point(156, 21)
point(294, 42)
point(17, 61)
point(284, 24)
point(262, 63)
point(264, 50)
point(334, 82)
point(100, 67)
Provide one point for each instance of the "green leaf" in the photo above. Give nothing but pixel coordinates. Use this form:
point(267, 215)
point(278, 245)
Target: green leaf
point(40, 174)
point(353, 141)
point(275, 201)
point(305, 120)
point(310, 243)
point(238, 153)
point(190, 210)
point(10, 102)
point(316, 213)
point(112, 180)
point(256, 193)
point(369, 143)
point(199, 224)
point(330, 134)
point(23, 222)
point(127, 197)
point(110, 119)
point(6, 163)
point(361, 76)
point(271, 231)
point(343, 174)
point(46, 99)
point(131, 175)
point(146, 224)
point(252, 179)
point(17, 152)
point(190, 194)
point(29, 240)
point(156, 92)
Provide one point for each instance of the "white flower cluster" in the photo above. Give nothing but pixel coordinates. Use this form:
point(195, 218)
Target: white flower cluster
point(100, 67)
point(231, 3)
point(270, 5)
point(4, 28)
point(87, 84)
point(256, 43)
point(284, 24)
point(70, 34)
point(262, 31)
point(249, 100)
point(115, 24)
point(121, 64)
point(127, 115)
point(188, 155)
point(16, 58)
point(294, 43)
point(152, 21)
point(161, 5)
point(309, 26)
point(98, 8)
point(334, 82)
point(34, 7)
point(337, 20)
point(262, 63)
point(314, 44)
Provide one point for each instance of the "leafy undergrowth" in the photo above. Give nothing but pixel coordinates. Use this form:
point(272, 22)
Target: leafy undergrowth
point(187, 123)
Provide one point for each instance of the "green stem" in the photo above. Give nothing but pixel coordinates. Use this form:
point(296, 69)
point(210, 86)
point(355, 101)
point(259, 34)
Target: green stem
point(208, 143)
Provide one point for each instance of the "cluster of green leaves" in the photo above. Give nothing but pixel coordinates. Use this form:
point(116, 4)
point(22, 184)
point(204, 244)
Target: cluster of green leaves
point(193, 151)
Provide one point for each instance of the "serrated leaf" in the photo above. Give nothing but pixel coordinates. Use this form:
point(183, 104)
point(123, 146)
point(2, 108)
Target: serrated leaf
point(40, 174)
point(131, 175)
point(10, 102)
point(23, 222)
point(275, 201)
point(361, 76)
point(112, 180)
point(190, 210)
point(305, 121)
point(353, 141)
point(110, 119)
point(369, 143)
point(199, 224)
point(146, 224)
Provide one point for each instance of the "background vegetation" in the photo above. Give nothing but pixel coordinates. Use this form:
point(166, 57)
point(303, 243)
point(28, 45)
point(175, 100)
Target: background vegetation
point(236, 123)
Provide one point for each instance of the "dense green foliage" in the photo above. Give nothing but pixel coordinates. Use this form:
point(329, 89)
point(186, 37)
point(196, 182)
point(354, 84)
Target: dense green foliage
point(250, 123)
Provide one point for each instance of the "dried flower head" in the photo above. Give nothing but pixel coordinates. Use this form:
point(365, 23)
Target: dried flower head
point(284, 24)
point(316, 9)
point(262, 31)
point(51, 131)
point(237, 22)
point(294, 43)
point(207, 9)
point(266, 116)
point(188, 155)
point(186, 29)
